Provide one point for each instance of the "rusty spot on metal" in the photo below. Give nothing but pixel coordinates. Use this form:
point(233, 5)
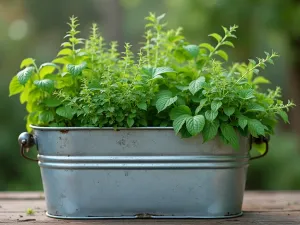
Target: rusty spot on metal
point(64, 131)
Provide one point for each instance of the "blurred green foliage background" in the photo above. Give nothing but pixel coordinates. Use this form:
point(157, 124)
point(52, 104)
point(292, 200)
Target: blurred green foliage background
point(34, 28)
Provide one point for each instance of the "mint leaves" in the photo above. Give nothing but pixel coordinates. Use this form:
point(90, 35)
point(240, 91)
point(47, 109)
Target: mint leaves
point(165, 99)
point(76, 70)
point(170, 82)
point(182, 116)
point(196, 85)
point(195, 124)
point(25, 74)
point(230, 135)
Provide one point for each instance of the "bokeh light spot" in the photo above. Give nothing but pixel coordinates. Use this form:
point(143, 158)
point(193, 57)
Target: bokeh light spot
point(18, 30)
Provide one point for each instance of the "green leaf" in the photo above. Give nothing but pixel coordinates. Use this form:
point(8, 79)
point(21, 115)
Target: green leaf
point(66, 44)
point(201, 62)
point(47, 68)
point(210, 130)
point(163, 124)
point(230, 135)
point(228, 43)
point(24, 96)
point(52, 102)
point(184, 133)
point(270, 61)
point(193, 50)
point(252, 61)
point(211, 115)
point(216, 36)
point(142, 105)
point(255, 127)
point(284, 116)
point(65, 51)
point(246, 94)
point(179, 110)
point(202, 103)
point(222, 54)
point(179, 122)
point(130, 122)
point(65, 111)
point(164, 93)
point(232, 35)
point(261, 148)
point(195, 124)
point(226, 31)
point(254, 107)
point(159, 18)
point(255, 71)
point(164, 99)
point(244, 133)
point(64, 82)
point(195, 98)
point(242, 121)
point(27, 62)
point(196, 85)
point(120, 118)
point(45, 84)
point(207, 46)
point(223, 117)
point(15, 87)
point(229, 110)
point(182, 88)
point(260, 80)
point(163, 102)
point(76, 70)
point(142, 122)
point(25, 74)
point(223, 139)
point(46, 117)
point(63, 61)
point(33, 96)
point(149, 71)
point(161, 70)
point(215, 105)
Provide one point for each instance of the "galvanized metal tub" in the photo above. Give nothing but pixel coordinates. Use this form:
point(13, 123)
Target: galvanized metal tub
point(91, 173)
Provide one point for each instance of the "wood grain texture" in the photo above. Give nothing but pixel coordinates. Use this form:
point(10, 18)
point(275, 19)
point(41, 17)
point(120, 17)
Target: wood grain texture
point(267, 208)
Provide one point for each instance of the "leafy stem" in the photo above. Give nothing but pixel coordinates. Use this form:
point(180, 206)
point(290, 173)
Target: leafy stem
point(261, 64)
point(169, 82)
point(281, 106)
point(228, 33)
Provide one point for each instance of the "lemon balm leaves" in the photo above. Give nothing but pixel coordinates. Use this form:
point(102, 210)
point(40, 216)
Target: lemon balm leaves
point(170, 82)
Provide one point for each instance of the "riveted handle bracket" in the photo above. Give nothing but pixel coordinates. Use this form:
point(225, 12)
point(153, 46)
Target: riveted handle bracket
point(26, 141)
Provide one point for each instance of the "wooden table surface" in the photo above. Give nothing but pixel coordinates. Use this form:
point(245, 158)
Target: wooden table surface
point(281, 208)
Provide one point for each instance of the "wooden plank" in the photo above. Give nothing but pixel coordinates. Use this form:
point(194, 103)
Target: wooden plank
point(271, 201)
point(253, 201)
point(268, 208)
point(21, 195)
point(249, 218)
point(7, 206)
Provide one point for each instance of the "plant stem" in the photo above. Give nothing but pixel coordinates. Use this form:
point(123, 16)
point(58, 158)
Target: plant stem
point(217, 46)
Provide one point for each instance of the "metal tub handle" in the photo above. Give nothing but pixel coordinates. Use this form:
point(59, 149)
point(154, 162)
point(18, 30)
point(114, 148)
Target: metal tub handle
point(26, 141)
point(260, 140)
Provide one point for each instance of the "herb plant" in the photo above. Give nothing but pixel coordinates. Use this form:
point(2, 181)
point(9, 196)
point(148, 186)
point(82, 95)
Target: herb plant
point(169, 82)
